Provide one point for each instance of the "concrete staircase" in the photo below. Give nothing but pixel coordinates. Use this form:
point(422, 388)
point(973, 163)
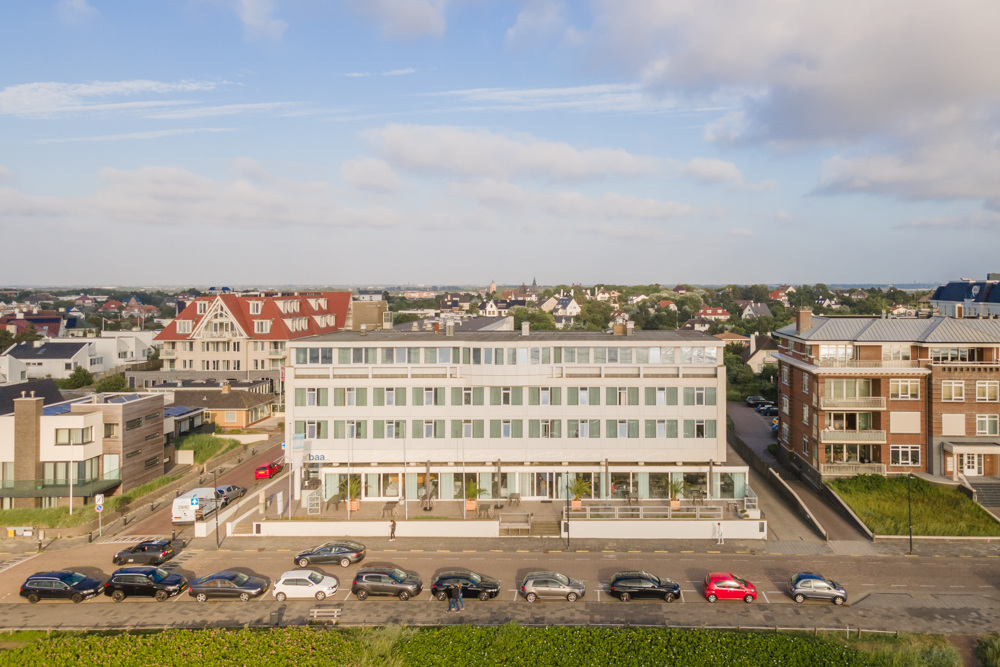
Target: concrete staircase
point(987, 491)
point(544, 529)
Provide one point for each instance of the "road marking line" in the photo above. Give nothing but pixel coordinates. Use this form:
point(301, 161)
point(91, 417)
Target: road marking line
point(661, 552)
point(468, 551)
point(523, 551)
point(388, 550)
point(682, 596)
point(555, 551)
point(582, 551)
point(277, 549)
point(715, 552)
point(634, 552)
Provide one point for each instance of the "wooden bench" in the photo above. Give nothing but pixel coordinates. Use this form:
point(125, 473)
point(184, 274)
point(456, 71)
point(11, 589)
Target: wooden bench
point(515, 521)
point(324, 614)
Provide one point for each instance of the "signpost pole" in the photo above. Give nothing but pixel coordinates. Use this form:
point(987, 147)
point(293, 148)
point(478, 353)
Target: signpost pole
point(99, 508)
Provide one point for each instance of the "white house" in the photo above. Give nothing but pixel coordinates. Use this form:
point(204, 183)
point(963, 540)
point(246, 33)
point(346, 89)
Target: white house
point(567, 307)
point(56, 358)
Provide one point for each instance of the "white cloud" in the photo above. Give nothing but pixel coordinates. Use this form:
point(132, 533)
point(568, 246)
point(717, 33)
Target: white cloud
point(357, 74)
point(712, 171)
point(48, 99)
point(985, 220)
point(404, 19)
point(537, 20)
point(258, 20)
point(370, 174)
point(155, 134)
point(620, 98)
point(169, 196)
point(458, 151)
point(223, 110)
point(399, 72)
point(75, 11)
point(504, 196)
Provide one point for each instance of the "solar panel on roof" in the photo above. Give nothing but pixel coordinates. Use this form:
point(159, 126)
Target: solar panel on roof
point(55, 410)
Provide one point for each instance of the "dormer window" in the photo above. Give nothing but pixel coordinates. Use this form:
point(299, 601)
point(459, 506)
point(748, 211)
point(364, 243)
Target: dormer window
point(183, 326)
point(262, 326)
point(202, 307)
point(255, 307)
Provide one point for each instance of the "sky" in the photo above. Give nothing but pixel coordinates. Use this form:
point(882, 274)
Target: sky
point(186, 142)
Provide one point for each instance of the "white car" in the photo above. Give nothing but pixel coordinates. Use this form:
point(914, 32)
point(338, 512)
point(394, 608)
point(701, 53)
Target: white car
point(304, 584)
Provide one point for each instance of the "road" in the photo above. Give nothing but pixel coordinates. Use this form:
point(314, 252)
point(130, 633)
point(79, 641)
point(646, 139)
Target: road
point(918, 594)
point(160, 523)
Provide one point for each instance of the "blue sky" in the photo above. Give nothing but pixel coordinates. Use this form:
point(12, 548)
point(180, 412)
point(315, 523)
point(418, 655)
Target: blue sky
point(459, 141)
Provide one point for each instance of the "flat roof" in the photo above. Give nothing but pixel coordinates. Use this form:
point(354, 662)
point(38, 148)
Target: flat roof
point(424, 337)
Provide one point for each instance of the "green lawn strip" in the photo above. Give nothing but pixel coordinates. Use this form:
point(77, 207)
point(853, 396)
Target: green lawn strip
point(881, 503)
point(206, 446)
point(59, 517)
point(508, 645)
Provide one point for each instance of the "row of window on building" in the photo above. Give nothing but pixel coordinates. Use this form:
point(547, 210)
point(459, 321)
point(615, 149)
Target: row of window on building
point(512, 356)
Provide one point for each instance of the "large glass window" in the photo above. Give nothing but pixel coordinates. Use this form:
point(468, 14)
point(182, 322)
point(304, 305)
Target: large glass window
point(849, 388)
point(987, 424)
point(78, 436)
point(986, 390)
point(904, 455)
point(953, 391)
point(848, 421)
point(904, 390)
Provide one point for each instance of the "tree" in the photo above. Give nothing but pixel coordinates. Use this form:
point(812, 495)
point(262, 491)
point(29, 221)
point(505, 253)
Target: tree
point(6, 339)
point(80, 377)
point(28, 334)
point(539, 319)
point(112, 383)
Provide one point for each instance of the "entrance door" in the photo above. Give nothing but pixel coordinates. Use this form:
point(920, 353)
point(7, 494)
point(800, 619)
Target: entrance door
point(972, 465)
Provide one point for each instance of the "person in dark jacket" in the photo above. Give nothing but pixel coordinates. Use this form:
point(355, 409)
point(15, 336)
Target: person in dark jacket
point(453, 598)
point(461, 601)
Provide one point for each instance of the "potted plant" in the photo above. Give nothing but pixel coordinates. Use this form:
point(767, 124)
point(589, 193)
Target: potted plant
point(675, 489)
point(472, 492)
point(350, 489)
point(579, 487)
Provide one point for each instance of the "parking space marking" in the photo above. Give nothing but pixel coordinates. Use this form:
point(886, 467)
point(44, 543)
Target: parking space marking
point(765, 598)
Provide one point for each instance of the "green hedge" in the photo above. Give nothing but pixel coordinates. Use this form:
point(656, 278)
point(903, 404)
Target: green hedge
point(468, 646)
point(206, 446)
point(938, 510)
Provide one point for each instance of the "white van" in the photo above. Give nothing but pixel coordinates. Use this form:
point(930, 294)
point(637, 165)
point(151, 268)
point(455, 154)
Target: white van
point(188, 510)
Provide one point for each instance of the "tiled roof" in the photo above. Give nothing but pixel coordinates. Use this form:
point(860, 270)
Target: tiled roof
point(47, 350)
point(878, 330)
point(45, 389)
point(217, 400)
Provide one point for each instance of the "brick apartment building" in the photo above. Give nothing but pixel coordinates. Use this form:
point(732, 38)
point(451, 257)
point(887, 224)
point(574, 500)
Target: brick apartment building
point(890, 395)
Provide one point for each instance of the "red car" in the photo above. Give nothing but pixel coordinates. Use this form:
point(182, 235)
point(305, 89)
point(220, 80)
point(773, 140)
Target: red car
point(727, 586)
point(266, 471)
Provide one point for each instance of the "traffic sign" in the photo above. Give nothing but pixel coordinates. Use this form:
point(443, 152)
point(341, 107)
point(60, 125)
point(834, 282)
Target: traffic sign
point(98, 508)
point(98, 499)
point(194, 502)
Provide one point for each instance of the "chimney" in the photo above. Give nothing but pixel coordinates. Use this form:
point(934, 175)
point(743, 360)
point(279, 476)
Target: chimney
point(525, 328)
point(226, 388)
point(449, 329)
point(437, 327)
point(630, 328)
point(364, 329)
point(753, 344)
point(415, 326)
point(32, 393)
point(803, 320)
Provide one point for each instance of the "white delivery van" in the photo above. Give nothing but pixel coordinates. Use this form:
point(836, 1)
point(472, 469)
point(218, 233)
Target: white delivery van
point(196, 504)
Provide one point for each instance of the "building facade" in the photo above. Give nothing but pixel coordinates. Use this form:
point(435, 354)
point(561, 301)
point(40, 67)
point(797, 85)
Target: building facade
point(415, 413)
point(890, 395)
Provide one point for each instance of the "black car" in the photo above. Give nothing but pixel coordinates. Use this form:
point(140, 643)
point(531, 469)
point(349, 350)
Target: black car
point(344, 552)
point(385, 580)
point(763, 405)
point(631, 585)
point(144, 582)
point(153, 552)
point(477, 585)
point(770, 411)
point(62, 585)
point(754, 401)
point(227, 584)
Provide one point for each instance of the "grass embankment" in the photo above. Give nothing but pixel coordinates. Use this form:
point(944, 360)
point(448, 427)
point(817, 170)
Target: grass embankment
point(59, 517)
point(509, 645)
point(206, 446)
point(988, 650)
point(938, 510)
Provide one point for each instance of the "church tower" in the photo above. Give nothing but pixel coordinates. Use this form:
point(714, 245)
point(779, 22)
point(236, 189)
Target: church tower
point(493, 287)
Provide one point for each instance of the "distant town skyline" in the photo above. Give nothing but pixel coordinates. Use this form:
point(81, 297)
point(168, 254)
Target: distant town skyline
point(307, 142)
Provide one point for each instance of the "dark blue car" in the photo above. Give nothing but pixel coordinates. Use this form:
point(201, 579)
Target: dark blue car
point(61, 585)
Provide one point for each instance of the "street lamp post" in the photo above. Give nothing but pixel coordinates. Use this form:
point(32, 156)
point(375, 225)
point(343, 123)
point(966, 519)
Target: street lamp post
point(909, 509)
point(71, 473)
point(215, 485)
point(566, 485)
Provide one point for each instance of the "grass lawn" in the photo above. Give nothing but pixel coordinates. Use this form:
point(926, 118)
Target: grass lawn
point(59, 517)
point(937, 509)
point(508, 645)
point(206, 446)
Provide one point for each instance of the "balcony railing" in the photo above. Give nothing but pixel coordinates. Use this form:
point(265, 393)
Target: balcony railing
point(856, 403)
point(168, 354)
point(276, 353)
point(867, 436)
point(865, 363)
point(38, 488)
point(851, 469)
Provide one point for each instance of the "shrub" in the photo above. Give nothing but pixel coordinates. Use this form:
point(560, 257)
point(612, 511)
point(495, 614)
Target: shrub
point(772, 449)
point(206, 446)
point(988, 650)
point(112, 383)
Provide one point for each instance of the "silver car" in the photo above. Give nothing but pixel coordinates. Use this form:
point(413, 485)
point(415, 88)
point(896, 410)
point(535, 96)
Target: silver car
point(808, 586)
point(537, 585)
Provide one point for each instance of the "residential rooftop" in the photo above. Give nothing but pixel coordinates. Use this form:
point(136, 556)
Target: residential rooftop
point(944, 330)
point(396, 335)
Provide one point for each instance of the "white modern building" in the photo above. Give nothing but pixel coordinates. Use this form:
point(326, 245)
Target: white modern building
point(52, 358)
point(412, 414)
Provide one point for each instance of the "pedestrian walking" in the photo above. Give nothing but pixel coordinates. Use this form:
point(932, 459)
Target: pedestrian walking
point(461, 600)
point(452, 598)
point(392, 531)
point(718, 532)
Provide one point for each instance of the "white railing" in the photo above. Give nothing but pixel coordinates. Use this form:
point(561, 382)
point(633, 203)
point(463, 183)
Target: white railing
point(611, 512)
point(750, 502)
point(861, 363)
point(851, 469)
point(168, 354)
point(857, 403)
point(869, 435)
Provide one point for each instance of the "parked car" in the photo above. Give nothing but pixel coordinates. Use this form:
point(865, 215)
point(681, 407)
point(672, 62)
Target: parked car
point(774, 428)
point(385, 580)
point(304, 584)
point(343, 552)
point(754, 401)
point(770, 411)
point(808, 586)
point(144, 582)
point(230, 493)
point(267, 471)
point(763, 404)
point(727, 586)
point(152, 552)
point(634, 585)
point(473, 585)
point(551, 585)
point(63, 585)
point(227, 584)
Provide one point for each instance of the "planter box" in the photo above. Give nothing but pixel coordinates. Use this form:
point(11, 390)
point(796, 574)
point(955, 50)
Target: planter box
point(751, 514)
point(576, 504)
point(675, 504)
point(470, 505)
point(355, 505)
